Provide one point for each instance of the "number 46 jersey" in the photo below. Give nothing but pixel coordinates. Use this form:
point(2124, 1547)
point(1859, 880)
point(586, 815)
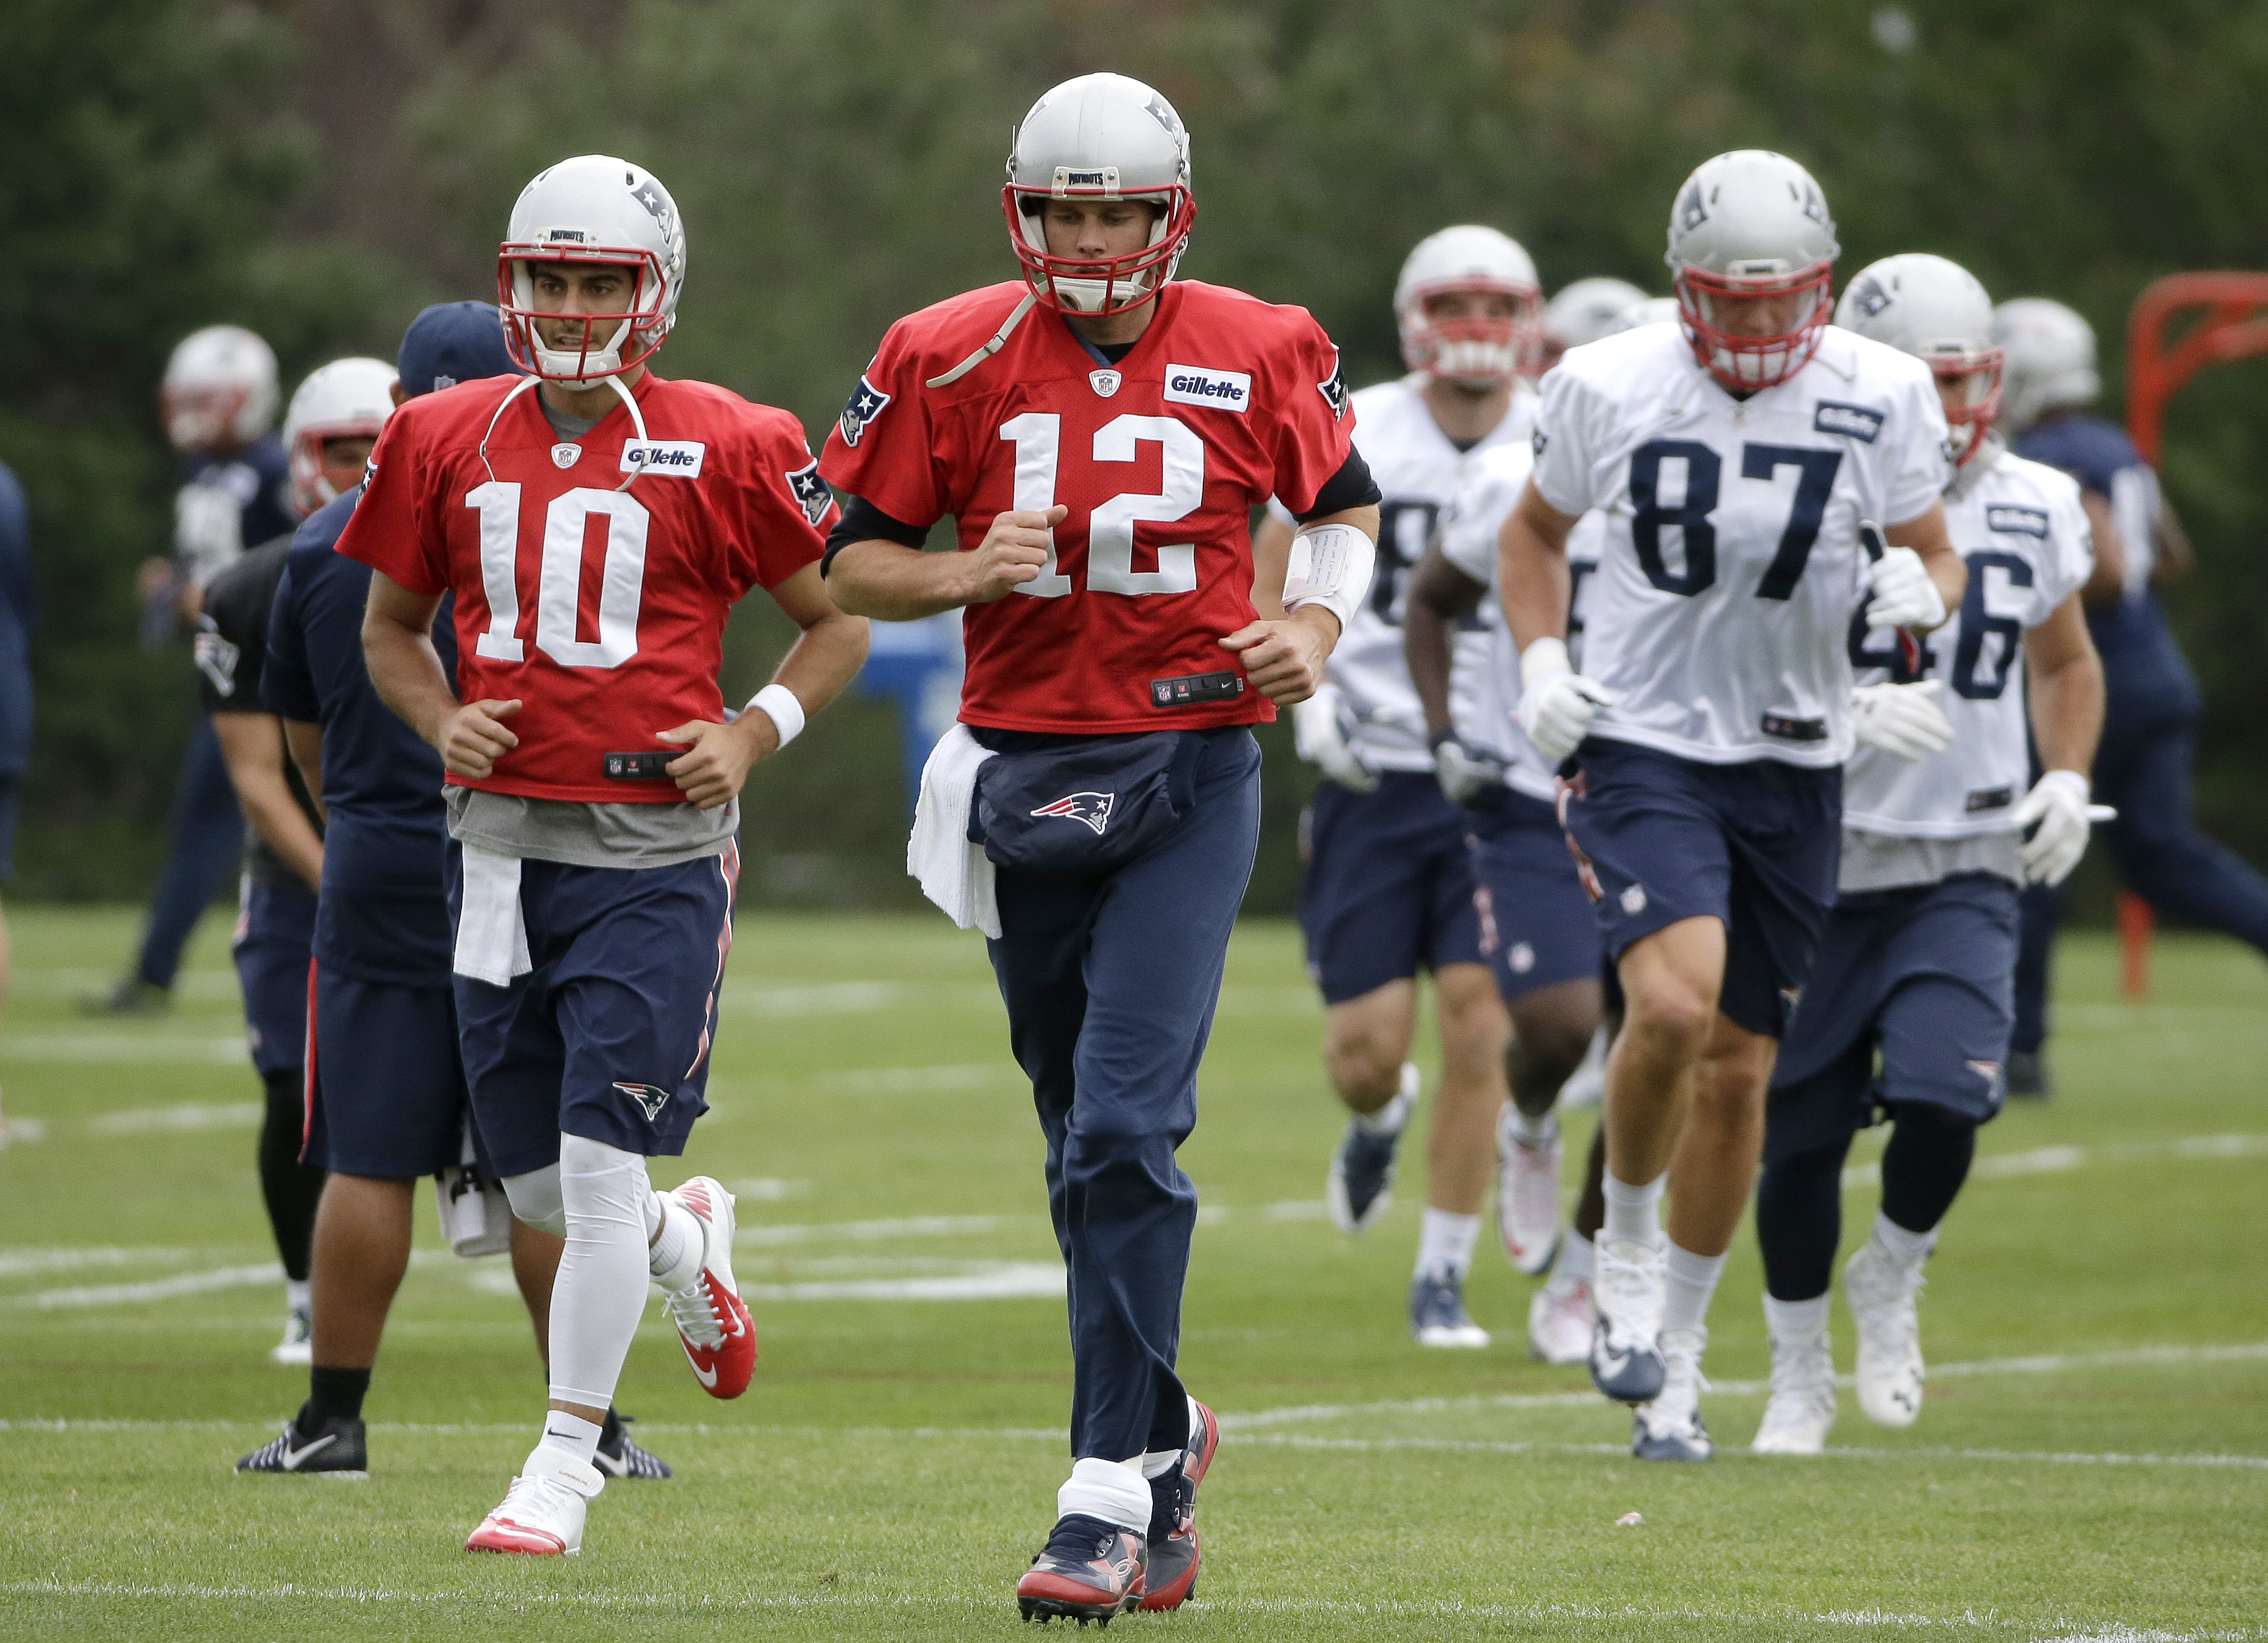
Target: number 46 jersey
point(1161, 457)
point(1730, 562)
point(602, 608)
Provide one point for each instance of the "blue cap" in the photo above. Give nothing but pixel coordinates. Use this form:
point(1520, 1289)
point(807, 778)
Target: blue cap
point(453, 342)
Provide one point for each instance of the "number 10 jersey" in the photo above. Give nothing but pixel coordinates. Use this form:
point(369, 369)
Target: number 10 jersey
point(1731, 562)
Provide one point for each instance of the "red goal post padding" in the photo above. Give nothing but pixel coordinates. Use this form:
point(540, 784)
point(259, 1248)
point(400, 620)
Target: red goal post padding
point(2231, 322)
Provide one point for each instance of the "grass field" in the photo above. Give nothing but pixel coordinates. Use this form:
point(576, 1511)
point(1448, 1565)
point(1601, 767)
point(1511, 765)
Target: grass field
point(2093, 1462)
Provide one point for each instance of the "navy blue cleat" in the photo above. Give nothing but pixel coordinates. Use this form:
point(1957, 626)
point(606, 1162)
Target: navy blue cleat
point(1626, 1361)
point(1361, 1182)
point(1437, 1313)
point(1089, 1570)
point(619, 1456)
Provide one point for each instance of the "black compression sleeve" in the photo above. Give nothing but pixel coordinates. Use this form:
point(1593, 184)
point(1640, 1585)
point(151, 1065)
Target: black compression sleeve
point(1351, 487)
point(862, 521)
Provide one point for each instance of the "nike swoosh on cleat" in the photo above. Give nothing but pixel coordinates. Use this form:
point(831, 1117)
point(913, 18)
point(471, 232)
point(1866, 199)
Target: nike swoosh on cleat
point(707, 1377)
point(293, 1457)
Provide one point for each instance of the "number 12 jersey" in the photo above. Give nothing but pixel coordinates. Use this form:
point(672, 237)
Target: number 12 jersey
point(1730, 562)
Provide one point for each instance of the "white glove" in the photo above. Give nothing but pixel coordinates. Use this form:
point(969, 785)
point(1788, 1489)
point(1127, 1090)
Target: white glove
point(1900, 719)
point(1904, 597)
point(1463, 774)
point(1557, 703)
point(1319, 735)
point(2057, 802)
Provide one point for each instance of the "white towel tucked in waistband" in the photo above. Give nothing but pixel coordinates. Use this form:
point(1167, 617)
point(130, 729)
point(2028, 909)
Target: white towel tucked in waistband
point(491, 930)
point(954, 872)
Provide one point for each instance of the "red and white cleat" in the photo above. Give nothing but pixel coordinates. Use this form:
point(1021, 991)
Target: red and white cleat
point(1528, 1196)
point(713, 1324)
point(1175, 1557)
point(542, 1511)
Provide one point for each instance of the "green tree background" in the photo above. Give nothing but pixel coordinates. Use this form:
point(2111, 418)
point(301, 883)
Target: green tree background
point(320, 170)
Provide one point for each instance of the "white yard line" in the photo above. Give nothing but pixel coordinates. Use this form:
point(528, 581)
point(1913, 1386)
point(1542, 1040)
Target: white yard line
point(1454, 1446)
point(125, 1047)
point(178, 1120)
point(17, 1263)
point(157, 1289)
point(2055, 1160)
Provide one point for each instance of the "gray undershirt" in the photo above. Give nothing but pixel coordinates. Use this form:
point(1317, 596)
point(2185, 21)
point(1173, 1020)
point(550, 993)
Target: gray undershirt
point(1885, 861)
point(579, 833)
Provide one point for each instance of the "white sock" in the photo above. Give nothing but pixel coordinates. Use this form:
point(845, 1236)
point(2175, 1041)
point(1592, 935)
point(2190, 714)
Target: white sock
point(1113, 1490)
point(601, 1287)
point(1444, 1244)
point(1907, 1248)
point(1634, 1213)
point(1158, 1462)
point(1692, 1280)
point(1579, 1257)
point(298, 1293)
point(677, 1253)
point(1535, 1131)
point(570, 1435)
point(1389, 1119)
point(1796, 1320)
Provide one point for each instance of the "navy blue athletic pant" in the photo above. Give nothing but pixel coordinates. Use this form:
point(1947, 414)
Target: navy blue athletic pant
point(207, 838)
point(2143, 768)
point(1110, 984)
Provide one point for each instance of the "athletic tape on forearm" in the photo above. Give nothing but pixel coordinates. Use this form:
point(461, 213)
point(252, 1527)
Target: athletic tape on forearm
point(780, 704)
point(1330, 566)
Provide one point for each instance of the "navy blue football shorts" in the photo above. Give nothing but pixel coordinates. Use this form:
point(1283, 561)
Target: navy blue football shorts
point(1537, 928)
point(1926, 975)
point(608, 1037)
point(1660, 839)
point(1388, 890)
point(387, 1094)
point(273, 948)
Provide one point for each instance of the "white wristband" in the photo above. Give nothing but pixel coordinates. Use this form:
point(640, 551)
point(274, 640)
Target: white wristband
point(1542, 659)
point(779, 704)
point(1330, 566)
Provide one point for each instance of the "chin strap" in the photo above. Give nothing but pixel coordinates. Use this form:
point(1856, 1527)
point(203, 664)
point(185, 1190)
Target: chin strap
point(1000, 340)
point(637, 465)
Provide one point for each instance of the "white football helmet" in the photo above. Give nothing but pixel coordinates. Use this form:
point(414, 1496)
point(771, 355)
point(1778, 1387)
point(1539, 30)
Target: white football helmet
point(219, 389)
point(1474, 353)
point(346, 399)
point(2051, 358)
point(1649, 311)
point(1100, 136)
point(593, 209)
point(1587, 311)
point(1937, 311)
point(1749, 226)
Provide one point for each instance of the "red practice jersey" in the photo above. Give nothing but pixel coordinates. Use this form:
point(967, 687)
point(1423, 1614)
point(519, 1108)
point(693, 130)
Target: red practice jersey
point(602, 609)
point(1226, 401)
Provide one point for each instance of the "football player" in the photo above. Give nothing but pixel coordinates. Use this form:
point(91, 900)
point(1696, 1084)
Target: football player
point(1100, 434)
point(595, 525)
point(2149, 737)
point(1582, 312)
point(332, 422)
point(1735, 457)
point(219, 401)
point(1388, 890)
point(390, 1104)
point(1919, 956)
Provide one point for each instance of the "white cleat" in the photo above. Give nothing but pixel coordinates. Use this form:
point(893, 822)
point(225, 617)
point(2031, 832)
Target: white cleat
point(298, 1347)
point(1560, 1320)
point(1669, 1428)
point(1626, 1360)
point(542, 1511)
point(1528, 1196)
point(1802, 1404)
point(1881, 1293)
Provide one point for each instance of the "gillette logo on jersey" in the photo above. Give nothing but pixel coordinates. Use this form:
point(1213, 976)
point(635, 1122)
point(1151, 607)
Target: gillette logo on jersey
point(596, 600)
point(1153, 565)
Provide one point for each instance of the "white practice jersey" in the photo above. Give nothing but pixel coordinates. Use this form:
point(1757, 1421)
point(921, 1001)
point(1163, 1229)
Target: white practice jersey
point(1417, 470)
point(1484, 678)
point(2020, 526)
point(1731, 561)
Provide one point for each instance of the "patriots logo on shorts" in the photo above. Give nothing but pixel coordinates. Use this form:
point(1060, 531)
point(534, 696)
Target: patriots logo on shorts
point(1334, 389)
point(811, 493)
point(1092, 808)
point(1989, 1071)
point(651, 1099)
point(866, 403)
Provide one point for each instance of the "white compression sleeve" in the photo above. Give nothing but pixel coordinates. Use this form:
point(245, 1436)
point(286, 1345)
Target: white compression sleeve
point(536, 1199)
point(601, 1287)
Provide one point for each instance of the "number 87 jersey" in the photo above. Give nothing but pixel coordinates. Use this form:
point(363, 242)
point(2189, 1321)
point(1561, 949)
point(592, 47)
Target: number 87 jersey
point(1160, 456)
point(1731, 562)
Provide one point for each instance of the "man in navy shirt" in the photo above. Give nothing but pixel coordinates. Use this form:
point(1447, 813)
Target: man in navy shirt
point(219, 403)
point(389, 1102)
point(2149, 734)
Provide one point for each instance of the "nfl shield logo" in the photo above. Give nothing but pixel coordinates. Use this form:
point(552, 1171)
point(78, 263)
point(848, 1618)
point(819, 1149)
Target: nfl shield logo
point(566, 455)
point(1106, 382)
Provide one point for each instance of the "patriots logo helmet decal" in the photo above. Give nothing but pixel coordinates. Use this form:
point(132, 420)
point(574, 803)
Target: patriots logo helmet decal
point(866, 403)
point(1092, 808)
point(811, 493)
